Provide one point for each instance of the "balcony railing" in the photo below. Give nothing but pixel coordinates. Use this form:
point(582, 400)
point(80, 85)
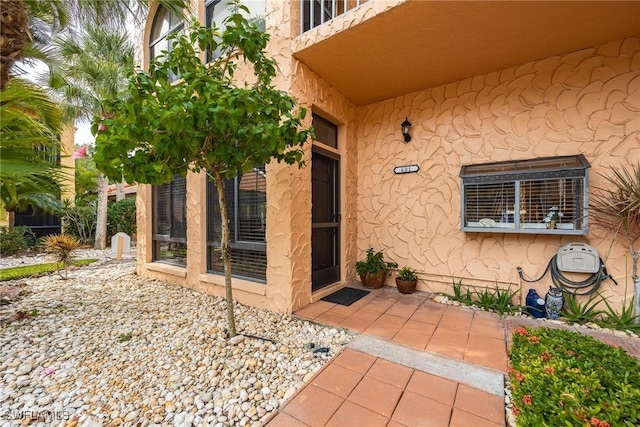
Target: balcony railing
point(317, 12)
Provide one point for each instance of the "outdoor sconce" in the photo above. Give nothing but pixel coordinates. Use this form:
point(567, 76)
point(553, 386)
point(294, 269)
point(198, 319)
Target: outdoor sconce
point(406, 127)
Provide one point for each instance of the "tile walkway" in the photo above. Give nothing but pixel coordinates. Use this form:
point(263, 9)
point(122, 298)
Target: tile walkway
point(414, 363)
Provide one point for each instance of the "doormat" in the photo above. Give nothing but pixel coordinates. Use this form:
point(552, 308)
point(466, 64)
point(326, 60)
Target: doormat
point(345, 296)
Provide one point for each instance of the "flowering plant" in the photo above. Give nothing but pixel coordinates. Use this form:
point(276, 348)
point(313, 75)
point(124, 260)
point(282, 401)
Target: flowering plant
point(554, 214)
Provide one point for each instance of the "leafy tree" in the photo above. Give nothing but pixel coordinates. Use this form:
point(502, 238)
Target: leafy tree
point(207, 121)
point(616, 207)
point(94, 67)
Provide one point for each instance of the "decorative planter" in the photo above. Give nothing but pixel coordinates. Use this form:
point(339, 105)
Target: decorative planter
point(406, 286)
point(374, 280)
point(554, 301)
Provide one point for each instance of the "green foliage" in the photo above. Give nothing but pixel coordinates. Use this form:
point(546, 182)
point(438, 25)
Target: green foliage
point(62, 246)
point(86, 180)
point(38, 269)
point(623, 320)
point(13, 241)
point(489, 299)
point(373, 263)
point(408, 274)
point(121, 217)
point(574, 311)
point(125, 337)
point(560, 378)
point(80, 220)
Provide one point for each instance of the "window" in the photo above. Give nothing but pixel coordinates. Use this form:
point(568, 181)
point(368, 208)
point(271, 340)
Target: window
point(325, 131)
point(170, 222)
point(246, 197)
point(317, 12)
point(164, 23)
point(546, 195)
point(213, 11)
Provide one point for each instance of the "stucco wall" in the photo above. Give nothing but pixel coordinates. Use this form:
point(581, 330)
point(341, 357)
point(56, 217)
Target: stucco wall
point(584, 102)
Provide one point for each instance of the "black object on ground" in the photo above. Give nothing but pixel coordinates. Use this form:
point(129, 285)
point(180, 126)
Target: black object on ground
point(345, 296)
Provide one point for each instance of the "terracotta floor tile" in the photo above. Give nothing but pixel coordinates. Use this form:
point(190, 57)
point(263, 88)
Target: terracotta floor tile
point(343, 309)
point(381, 331)
point(416, 410)
point(464, 419)
point(337, 380)
point(312, 311)
point(454, 335)
point(365, 313)
point(425, 315)
point(486, 351)
point(376, 395)
point(395, 424)
point(354, 360)
point(391, 321)
point(420, 327)
point(433, 387)
point(285, 420)
point(352, 415)
point(480, 403)
point(486, 331)
point(329, 318)
point(390, 372)
point(446, 348)
point(355, 324)
point(401, 309)
point(412, 339)
point(313, 405)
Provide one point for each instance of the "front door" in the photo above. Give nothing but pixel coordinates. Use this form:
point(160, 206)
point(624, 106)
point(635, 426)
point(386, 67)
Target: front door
point(325, 220)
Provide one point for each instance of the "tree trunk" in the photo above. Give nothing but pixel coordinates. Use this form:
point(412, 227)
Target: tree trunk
point(101, 218)
point(14, 28)
point(120, 191)
point(225, 249)
point(11, 220)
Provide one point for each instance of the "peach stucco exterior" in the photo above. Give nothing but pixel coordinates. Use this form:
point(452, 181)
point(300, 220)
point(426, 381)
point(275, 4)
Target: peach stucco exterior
point(586, 101)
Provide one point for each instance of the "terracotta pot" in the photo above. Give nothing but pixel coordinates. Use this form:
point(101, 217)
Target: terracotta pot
point(406, 286)
point(374, 280)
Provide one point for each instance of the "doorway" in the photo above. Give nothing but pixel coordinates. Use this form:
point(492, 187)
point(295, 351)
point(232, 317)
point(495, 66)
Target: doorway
point(325, 219)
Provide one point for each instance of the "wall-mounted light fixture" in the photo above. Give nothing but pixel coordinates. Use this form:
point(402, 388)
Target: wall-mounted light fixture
point(406, 127)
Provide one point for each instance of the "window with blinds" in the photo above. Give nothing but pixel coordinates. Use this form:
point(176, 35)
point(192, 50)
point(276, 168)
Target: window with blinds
point(546, 195)
point(246, 197)
point(170, 222)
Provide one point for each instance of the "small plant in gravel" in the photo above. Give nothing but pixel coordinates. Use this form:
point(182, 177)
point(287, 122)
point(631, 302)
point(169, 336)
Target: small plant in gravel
point(575, 311)
point(559, 377)
point(489, 299)
point(62, 246)
point(125, 337)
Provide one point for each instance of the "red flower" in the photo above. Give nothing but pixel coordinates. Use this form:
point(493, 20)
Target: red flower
point(545, 356)
point(534, 340)
point(516, 410)
point(595, 422)
point(550, 370)
point(519, 376)
point(101, 127)
point(527, 399)
point(80, 153)
point(521, 331)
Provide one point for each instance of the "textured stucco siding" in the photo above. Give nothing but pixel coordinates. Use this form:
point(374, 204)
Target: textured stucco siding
point(584, 102)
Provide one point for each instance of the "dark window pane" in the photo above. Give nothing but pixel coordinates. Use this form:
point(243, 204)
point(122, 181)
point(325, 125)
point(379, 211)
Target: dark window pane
point(170, 221)
point(326, 132)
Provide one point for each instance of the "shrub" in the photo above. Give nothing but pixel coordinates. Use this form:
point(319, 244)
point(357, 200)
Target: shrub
point(13, 241)
point(560, 377)
point(489, 299)
point(121, 217)
point(80, 220)
point(62, 247)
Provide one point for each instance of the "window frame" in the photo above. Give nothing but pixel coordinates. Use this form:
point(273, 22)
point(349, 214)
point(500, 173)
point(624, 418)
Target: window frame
point(157, 238)
point(234, 217)
point(153, 42)
point(519, 171)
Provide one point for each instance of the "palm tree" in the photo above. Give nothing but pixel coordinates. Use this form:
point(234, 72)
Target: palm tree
point(29, 168)
point(93, 68)
point(28, 26)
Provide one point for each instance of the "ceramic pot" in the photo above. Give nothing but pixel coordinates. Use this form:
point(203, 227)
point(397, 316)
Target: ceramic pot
point(406, 286)
point(374, 280)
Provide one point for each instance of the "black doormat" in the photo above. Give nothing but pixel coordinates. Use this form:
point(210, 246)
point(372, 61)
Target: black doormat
point(345, 296)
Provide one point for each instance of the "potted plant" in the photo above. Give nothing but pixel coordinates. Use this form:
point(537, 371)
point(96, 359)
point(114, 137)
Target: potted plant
point(406, 280)
point(553, 217)
point(374, 269)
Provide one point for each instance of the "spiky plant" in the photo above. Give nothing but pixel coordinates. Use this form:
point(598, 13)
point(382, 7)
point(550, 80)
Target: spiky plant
point(616, 208)
point(62, 246)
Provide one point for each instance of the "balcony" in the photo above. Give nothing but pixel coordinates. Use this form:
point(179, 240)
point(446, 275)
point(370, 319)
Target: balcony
point(317, 12)
point(375, 50)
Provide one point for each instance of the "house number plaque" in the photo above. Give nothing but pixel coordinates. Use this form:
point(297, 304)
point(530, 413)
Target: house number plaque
point(406, 169)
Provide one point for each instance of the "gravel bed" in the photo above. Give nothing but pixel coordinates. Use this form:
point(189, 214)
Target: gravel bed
point(107, 347)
